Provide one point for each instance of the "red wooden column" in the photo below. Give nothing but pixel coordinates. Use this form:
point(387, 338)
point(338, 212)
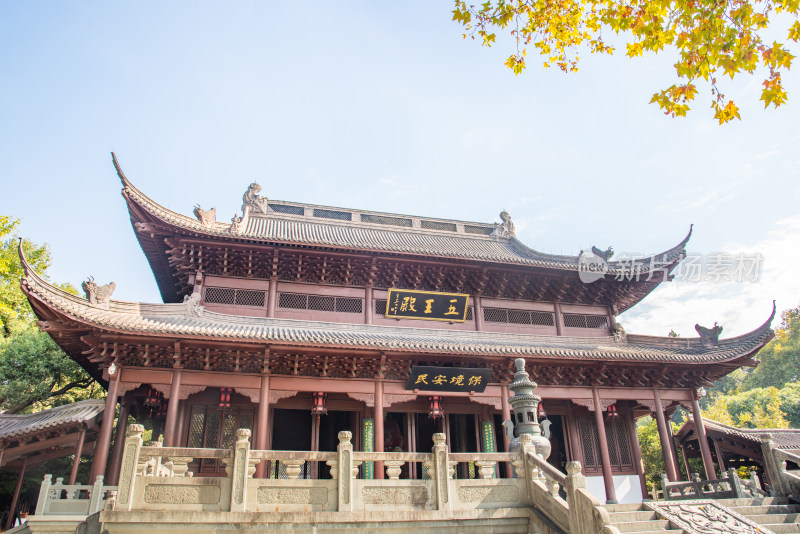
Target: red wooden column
point(170, 426)
point(506, 417)
point(559, 318)
point(708, 462)
point(637, 450)
point(369, 304)
point(477, 311)
point(379, 426)
point(272, 298)
point(73, 474)
point(12, 511)
point(119, 442)
point(608, 477)
point(665, 435)
point(262, 425)
point(104, 439)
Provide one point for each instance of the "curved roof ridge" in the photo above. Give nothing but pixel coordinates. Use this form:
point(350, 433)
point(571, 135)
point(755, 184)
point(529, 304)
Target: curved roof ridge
point(667, 341)
point(369, 236)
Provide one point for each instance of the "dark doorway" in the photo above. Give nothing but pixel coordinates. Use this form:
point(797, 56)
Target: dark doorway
point(464, 438)
point(328, 429)
point(558, 452)
point(425, 429)
point(291, 431)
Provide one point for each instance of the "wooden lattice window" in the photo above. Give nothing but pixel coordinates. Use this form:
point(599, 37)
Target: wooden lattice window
point(619, 444)
point(438, 225)
point(300, 301)
point(480, 230)
point(332, 214)
point(383, 219)
point(213, 427)
point(576, 320)
point(288, 209)
point(523, 317)
point(235, 297)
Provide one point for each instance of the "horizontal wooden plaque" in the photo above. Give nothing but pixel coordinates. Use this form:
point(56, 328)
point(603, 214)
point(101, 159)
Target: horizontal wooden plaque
point(427, 305)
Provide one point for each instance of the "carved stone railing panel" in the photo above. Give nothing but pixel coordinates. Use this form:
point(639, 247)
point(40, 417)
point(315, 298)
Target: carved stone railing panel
point(75, 499)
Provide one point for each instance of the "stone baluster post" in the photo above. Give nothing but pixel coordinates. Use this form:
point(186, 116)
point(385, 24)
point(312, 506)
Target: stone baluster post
point(130, 459)
point(44, 493)
point(580, 518)
point(239, 473)
point(774, 467)
point(345, 471)
point(441, 475)
point(96, 498)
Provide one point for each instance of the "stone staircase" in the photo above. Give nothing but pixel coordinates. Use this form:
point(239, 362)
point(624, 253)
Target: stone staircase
point(637, 518)
point(774, 513)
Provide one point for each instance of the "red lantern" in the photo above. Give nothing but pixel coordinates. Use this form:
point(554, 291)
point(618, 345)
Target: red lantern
point(435, 410)
point(225, 397)
point(541, 413)
point(612, 411)
point(153, 398)
point(319, 404)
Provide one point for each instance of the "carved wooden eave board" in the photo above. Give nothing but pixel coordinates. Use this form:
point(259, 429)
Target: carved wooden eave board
point(420, 255)
point(95, 336)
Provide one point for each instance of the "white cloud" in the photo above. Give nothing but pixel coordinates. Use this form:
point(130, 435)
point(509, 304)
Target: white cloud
point(738, 306)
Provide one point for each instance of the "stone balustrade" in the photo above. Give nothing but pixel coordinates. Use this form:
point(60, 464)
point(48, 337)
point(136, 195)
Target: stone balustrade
point(56, 498)
point(159, 479)
point(784, 483)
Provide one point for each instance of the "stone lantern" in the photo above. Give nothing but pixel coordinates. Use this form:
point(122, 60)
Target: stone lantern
point(525, 404)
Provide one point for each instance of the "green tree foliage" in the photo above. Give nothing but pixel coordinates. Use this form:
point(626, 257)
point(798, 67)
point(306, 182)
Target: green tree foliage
point(779, 361)
point(712, 39)
point(652, 455)
point(34, 372)
point(37, 374)
point(754, 408)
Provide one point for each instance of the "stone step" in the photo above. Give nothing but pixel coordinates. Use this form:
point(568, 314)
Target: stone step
point(767, 509)
point(658, 525)
point(783, 528)
point(627, 507)
point(627, 517)
point(761, 501)
point(763, 519)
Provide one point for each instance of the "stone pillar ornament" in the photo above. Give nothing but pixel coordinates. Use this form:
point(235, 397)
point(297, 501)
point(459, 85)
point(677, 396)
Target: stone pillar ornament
point(525, 405)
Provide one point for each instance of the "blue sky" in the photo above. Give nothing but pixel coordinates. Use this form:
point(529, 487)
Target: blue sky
point(382, 106)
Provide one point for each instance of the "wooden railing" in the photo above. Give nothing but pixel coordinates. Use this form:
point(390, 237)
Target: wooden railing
point(158, 479)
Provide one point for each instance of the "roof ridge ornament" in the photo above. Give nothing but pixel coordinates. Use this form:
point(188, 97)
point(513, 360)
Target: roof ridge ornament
point(206, 217)
point(192, 306)
point(256, 202)
point(709, 336)
point(506, 228)
point(98, 295)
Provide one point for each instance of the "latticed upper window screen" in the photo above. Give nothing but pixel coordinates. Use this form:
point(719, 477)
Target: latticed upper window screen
point(596, 321)
point(383, 219)
point(380, 306)
point(469, 313)
point(438, 225)
point(481, 230)
point(295, 301)
point(332, 214)
point(220, 295)
point(349, 305)
point(321, 303)
point(519, 317)
point(291, 210)
point(621, 442)
point(613, 441)
point(495, 315)
point(542, 319)
point(575, 320)
point(248, 297)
